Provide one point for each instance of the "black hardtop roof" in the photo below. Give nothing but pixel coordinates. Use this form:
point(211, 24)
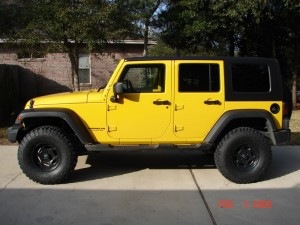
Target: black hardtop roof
point(224, 58)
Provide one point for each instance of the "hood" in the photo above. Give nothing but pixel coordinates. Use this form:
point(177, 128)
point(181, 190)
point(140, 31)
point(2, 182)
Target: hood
point(57, 99)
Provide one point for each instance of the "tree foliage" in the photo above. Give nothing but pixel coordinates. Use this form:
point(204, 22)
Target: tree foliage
point(74, 26)
point(12, 19)
point(267, 28)
point(143, 14)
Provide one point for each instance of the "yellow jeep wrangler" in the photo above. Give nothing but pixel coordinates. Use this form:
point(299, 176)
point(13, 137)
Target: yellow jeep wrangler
point(233, 107)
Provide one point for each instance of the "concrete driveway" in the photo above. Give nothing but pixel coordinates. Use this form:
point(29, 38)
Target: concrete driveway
point(151, 188)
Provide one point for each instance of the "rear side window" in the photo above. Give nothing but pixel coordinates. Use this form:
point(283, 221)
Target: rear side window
point(250, 78)
point(199, 78)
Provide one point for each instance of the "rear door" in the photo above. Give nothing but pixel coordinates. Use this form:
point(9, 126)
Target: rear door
point(199, 97)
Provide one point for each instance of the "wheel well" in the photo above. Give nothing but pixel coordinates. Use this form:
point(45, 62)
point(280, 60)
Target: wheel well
point(255, 123)
point(32, 123)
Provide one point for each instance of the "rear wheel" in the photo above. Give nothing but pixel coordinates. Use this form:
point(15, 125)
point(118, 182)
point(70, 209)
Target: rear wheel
point(46, 155)
point(243, 155)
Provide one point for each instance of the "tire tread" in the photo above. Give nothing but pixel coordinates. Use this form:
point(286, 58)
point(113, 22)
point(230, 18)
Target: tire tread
point(221, 147)
point(47, 131)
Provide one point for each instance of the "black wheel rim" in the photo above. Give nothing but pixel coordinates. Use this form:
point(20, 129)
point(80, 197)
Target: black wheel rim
point(46, 157)
point(245, 157)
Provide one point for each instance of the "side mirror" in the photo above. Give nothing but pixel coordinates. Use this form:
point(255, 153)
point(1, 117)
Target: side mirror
point(118, 89)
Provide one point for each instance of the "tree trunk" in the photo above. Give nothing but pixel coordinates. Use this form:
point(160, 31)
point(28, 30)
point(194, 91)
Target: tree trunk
point(231, 44)
point(294, 90)
point(147, 18)
point(146, 34)
point(73, 53)
point(177, 50)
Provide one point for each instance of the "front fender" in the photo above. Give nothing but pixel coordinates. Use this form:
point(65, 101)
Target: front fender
point(70, 117)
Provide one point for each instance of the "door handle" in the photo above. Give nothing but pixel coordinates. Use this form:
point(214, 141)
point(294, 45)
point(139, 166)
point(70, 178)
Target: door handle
point(161, 102)
point(212, 102)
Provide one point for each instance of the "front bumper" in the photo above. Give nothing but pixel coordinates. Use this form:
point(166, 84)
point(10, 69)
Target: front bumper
point(12, 132)
point(282, 137)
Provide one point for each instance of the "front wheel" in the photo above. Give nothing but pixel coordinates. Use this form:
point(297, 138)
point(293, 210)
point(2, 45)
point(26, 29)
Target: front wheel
point(46, 155)
point(243, 155)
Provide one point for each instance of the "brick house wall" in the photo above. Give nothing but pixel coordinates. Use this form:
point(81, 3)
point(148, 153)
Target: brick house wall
point(31, 77)
point(56, 67)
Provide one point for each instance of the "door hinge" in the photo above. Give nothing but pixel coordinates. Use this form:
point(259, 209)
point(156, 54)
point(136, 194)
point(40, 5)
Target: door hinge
point(111, 107)
point(179, 128)
point(179, 107)
point(110, 128)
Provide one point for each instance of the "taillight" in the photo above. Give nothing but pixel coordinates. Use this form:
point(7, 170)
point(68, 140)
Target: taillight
point(285, 110)
point(286, 116)
point(19, 119)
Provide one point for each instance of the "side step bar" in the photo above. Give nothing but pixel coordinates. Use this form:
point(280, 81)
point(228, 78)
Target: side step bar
point(101, 147)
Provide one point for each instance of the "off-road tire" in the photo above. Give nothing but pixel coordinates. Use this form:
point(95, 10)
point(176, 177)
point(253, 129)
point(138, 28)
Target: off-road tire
point(243, 155)
point(46, 155)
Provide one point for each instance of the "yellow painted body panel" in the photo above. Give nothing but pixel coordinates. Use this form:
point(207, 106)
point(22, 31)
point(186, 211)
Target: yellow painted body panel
point(259, 105)
point(134, 119)
point(91, 114)
point(192, 117)
point(61, 98)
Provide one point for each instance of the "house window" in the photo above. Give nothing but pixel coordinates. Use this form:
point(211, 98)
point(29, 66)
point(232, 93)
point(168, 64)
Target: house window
point(32, 55)
point(84, 69)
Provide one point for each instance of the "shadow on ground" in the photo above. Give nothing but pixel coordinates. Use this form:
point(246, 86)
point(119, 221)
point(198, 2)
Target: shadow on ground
point(147, 207)
point(110, 164)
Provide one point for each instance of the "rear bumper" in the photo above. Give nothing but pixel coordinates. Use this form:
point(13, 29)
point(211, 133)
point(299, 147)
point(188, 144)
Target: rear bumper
point(12, 132)
point(282, 137)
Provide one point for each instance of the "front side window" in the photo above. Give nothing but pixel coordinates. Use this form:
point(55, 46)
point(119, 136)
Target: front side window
point(199, 78)
point(250, 78)
point(143, 78)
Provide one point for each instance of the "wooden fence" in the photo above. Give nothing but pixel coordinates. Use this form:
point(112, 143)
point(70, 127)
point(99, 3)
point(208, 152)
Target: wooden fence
point(17, 86)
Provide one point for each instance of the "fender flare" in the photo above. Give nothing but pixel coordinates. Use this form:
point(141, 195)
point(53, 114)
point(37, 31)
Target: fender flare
point(67, 115)
point(240, 114)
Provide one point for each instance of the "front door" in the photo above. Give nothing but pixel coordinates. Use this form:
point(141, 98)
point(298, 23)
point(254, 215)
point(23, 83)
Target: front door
point(143, 112)
point(199, 97)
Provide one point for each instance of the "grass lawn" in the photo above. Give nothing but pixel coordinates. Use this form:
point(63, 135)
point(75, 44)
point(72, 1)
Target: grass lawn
point(3, 140)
